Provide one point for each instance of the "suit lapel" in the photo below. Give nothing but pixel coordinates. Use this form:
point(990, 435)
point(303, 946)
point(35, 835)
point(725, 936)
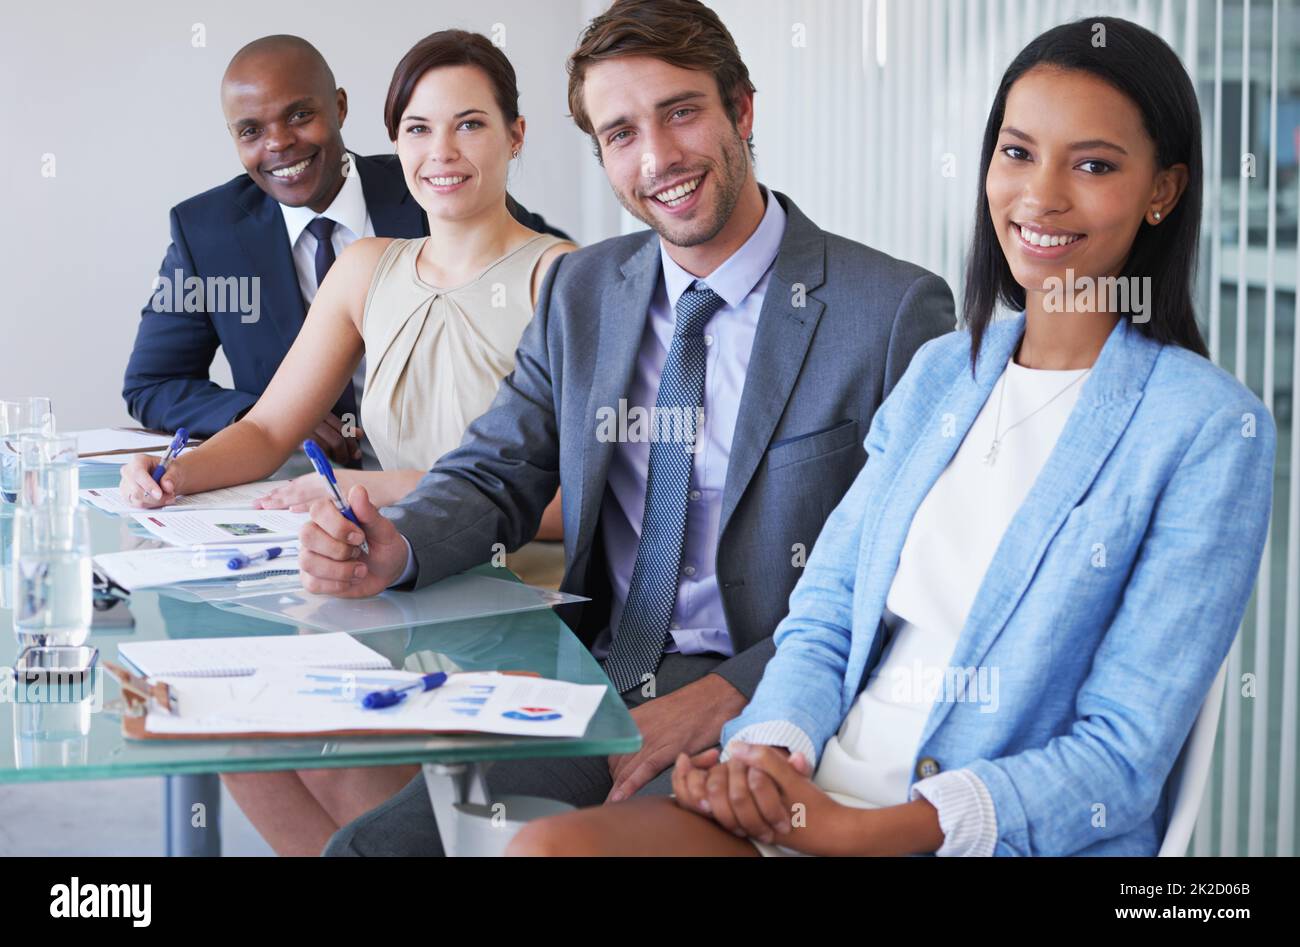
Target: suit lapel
point(620, 323)
point(265, 242)
point(1105, 406)
point(393, 212)
point(781, 342)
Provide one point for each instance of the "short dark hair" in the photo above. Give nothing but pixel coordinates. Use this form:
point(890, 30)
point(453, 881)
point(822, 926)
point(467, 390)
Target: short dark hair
point(682, 33)
point(450, 48)
point(1141, 65)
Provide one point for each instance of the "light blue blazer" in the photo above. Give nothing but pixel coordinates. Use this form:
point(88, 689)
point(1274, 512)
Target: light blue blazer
point(1107, 609)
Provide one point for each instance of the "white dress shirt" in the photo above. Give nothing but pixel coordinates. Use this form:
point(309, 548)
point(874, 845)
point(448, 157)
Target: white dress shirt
point(351, 221)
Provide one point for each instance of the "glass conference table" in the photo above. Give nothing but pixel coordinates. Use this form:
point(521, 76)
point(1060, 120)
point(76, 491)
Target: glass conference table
point(57, 738)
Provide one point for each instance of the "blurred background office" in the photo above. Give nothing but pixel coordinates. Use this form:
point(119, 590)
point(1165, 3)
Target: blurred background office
point(869, 113)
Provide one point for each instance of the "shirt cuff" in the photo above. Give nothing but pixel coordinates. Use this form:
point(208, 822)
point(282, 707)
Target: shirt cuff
point(408, 574)
point(966, 813)
point(774, 733)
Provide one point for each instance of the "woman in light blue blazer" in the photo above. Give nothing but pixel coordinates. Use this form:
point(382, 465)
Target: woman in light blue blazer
point(1006, 628)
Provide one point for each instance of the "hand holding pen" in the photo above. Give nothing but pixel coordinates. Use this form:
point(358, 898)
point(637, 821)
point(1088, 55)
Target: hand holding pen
point(144, 480)
point(350, 550)
point(178, 444)
point(326, 470)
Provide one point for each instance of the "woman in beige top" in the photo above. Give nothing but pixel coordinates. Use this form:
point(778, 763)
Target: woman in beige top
point(439, 318)
point(434, 361)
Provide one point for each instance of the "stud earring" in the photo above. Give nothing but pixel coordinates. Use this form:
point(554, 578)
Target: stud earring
point(1156, 215)
point(515, 153)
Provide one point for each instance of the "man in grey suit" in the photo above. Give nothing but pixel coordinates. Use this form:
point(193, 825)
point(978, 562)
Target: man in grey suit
point(700, 392)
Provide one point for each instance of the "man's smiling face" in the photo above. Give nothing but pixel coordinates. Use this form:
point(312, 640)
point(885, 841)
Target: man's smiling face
point(673, 156)
point(285, 118)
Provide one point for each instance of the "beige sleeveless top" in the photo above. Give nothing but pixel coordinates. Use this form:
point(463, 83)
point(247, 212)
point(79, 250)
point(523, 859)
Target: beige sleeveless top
point(435, 357)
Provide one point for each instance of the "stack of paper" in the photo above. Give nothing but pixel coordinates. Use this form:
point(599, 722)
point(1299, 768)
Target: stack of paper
point(203, 526)
point(156, 568)
point(304, 702)
point(241, 497)
point(208, 529)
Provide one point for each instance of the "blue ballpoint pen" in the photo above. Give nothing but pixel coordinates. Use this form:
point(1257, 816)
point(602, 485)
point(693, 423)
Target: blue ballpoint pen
point(242, 560)
point(326, 470)
point(178, 444)
point(376, 700)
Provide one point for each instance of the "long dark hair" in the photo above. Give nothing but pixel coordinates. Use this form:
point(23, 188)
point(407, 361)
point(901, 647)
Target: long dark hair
point(1143, 67)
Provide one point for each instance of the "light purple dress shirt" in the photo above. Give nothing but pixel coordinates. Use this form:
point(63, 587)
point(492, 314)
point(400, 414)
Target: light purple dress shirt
point(698, 625)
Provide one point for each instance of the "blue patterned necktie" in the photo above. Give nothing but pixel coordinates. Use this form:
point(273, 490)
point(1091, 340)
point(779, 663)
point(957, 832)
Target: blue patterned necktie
point(652, 593)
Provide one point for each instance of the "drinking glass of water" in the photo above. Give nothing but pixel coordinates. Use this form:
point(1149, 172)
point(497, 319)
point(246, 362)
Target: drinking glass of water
point(52, 582)
point(47, 470)
point(11, 425)
point(40, 413)
point(27, 416)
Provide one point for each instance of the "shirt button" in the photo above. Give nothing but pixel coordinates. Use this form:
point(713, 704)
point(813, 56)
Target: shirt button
point(694, 494)
point(689, 570)
point(708, 340)
point(926, 767)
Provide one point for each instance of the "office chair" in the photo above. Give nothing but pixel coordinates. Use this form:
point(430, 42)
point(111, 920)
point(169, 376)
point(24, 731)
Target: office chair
point(1191, 771)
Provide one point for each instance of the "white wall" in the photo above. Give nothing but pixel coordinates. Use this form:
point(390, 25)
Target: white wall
point(130, 110)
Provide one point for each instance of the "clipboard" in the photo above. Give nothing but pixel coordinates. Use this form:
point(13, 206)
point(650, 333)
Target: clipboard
point(142, 696)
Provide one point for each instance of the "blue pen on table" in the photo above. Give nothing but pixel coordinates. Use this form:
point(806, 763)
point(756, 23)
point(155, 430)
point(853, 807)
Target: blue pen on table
point(241, 560)
point(178, 444)
point(377, 700)
point(326, 470)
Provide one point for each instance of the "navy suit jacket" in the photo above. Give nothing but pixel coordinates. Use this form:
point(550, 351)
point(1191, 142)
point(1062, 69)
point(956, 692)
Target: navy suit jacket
point(237, 230)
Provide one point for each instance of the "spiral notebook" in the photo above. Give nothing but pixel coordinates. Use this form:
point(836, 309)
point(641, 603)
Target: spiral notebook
point(242, 656)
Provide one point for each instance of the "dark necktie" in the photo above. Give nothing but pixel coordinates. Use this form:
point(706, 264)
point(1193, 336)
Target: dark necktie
point(322, 228)
point(642, 631)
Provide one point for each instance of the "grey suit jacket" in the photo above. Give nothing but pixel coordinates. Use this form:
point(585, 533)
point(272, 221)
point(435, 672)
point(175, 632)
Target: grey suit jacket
point(837, 329)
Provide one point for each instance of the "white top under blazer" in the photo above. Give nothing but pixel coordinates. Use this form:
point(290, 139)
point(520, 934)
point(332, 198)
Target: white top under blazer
point(952, 539)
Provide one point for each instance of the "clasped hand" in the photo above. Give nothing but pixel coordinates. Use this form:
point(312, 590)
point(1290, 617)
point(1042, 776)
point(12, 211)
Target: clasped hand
point(762, 793)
